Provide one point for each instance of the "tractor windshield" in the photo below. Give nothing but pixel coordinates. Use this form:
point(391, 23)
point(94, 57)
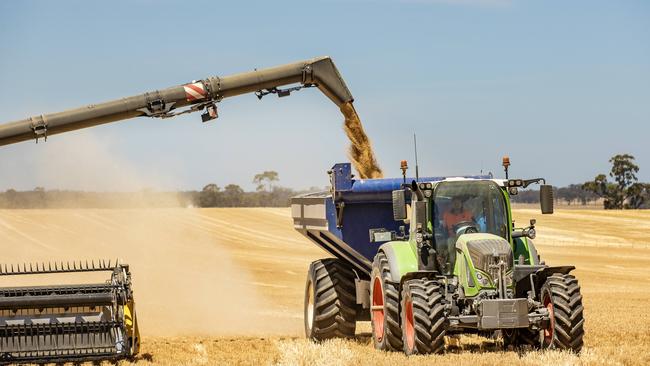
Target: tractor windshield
point(464, 207)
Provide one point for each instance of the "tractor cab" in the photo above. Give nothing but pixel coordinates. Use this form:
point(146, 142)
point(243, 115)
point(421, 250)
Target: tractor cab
point(465, 207)
point(444, 211)
point(468, 206)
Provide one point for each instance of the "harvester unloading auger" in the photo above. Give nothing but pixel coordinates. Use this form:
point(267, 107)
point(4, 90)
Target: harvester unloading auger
point(203, 94)
point(97, 321)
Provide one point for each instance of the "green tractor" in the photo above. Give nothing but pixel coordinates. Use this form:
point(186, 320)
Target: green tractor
point(435, 257)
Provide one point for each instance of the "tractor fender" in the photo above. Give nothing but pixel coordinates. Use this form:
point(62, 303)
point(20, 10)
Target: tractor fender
point(420, 274)
point(401, 259)
point(542, 274)
point(536, 274)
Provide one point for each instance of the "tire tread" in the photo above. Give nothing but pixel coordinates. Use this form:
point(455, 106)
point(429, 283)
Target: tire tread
point(335, 308)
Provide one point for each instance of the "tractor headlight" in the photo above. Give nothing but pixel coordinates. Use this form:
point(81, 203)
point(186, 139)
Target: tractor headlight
point(531, 233)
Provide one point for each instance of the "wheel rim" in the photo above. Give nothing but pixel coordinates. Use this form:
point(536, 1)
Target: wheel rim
point(310, 305)
point(378, 309)
point(410, 324)
point(548, 332)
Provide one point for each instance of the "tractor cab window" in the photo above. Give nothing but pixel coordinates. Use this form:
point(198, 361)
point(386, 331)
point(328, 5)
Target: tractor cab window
point(461, 207)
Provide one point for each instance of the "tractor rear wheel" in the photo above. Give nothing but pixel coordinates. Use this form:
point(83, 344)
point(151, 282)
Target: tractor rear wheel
point(384, 306)
point(423, 317)
point(330, 300)
point(561, 296)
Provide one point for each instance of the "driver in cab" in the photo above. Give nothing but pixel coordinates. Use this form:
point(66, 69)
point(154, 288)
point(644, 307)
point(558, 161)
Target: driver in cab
point(455, 215)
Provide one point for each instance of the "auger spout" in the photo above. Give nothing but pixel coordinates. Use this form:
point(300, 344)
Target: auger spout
point(318, 72)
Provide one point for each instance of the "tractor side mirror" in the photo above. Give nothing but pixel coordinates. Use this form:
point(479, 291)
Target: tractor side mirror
point(399, 205)
point(546, 198)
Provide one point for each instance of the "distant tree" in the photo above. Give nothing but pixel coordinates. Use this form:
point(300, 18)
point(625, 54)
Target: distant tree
point(575, 192)
point(526, 196)
point(11, 195)
point(265, 180)
point(566, 194)
point(625, 191)
point(233, 195)
point(279, 197)
point(209, 196)
point(638, 195)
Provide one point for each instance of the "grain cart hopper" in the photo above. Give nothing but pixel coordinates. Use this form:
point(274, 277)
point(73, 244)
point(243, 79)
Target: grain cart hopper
point(93, 322)
point(58, 323)
point(431, 257)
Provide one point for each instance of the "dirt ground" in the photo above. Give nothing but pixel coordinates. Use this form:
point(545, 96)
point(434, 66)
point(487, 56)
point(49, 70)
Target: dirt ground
point(225, 286)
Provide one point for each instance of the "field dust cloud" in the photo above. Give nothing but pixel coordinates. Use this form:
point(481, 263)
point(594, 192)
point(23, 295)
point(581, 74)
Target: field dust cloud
point(88, 161)
point(361, 153)
point(185, 280)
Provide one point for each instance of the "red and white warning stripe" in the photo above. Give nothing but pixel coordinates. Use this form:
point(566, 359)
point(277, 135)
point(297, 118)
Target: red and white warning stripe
point(194, 91)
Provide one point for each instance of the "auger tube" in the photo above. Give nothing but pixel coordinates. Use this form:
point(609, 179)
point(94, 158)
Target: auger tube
point(319, 72)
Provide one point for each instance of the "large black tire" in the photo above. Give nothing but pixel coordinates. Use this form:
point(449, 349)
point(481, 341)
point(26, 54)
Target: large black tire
point(424, 323)
point(330, 300)
point(384, 302)
point(561, 296)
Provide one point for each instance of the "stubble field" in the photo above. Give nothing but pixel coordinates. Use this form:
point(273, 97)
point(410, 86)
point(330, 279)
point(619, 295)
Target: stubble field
point(225, 286)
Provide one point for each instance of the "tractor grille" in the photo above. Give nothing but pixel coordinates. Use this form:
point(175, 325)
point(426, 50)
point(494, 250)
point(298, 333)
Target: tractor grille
point(485, 252)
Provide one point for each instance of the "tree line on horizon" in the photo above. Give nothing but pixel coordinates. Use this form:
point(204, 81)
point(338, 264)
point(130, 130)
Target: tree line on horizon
point(267, 194)
point(625, 191)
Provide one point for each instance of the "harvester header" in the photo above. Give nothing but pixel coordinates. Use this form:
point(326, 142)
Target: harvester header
point(59, 323)
point(197, 95)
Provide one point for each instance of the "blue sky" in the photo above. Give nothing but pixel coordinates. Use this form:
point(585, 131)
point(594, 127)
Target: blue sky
point(560, 86)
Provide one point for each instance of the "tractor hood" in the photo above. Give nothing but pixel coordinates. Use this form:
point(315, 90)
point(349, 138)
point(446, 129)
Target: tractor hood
point(484, 250)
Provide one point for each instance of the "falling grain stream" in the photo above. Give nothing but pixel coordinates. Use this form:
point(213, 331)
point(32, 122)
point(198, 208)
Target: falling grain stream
point(361, 153)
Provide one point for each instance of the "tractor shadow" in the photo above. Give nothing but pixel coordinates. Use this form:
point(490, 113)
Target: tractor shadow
point(142, 357)
point(455, 345)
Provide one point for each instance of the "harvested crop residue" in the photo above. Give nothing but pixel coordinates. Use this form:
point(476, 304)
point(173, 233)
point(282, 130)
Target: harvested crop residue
point(225, 286)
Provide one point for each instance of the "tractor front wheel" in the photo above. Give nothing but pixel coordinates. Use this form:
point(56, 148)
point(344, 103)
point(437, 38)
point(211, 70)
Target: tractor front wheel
point(384, 306)
point(561, 296)
point(330, 300)
point(423, 318)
